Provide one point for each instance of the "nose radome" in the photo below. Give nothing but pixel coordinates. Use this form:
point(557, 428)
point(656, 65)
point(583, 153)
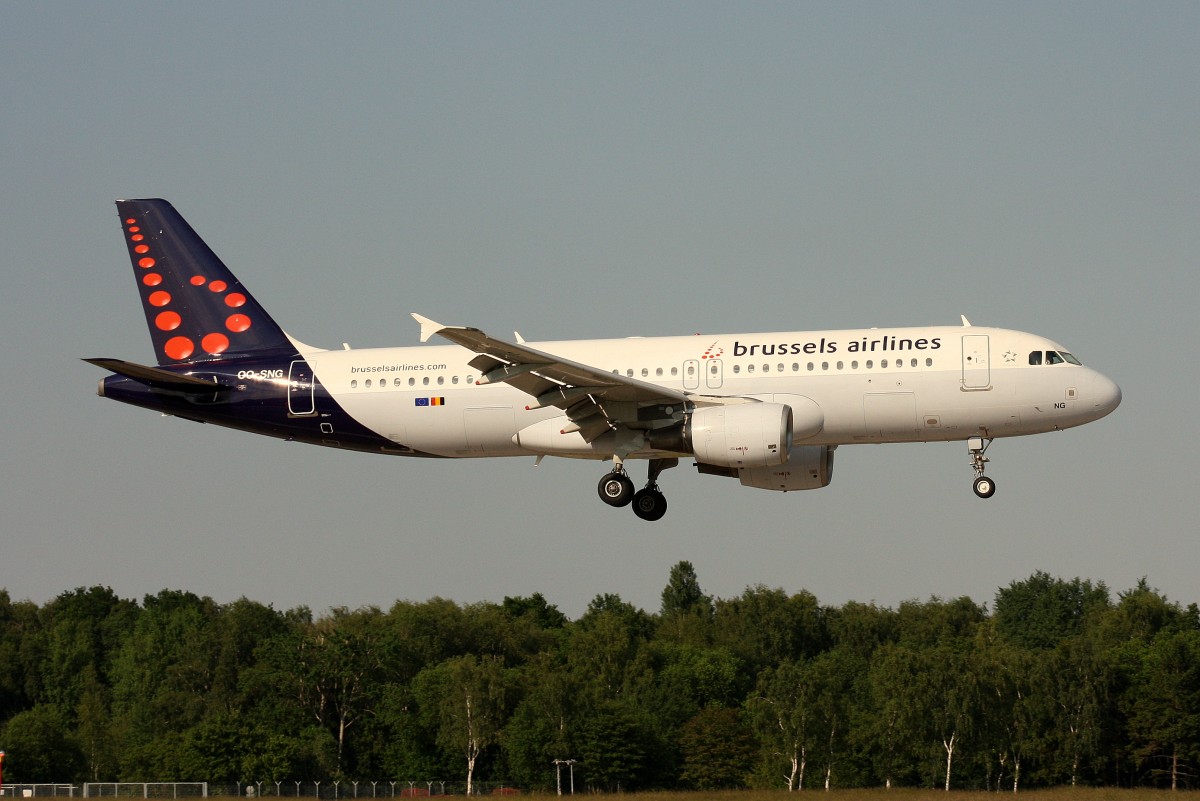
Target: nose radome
point(1108, 394)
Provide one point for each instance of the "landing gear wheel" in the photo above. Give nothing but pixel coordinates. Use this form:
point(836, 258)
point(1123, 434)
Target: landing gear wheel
point(649, 504)
point(977, 450)
point(615, 489)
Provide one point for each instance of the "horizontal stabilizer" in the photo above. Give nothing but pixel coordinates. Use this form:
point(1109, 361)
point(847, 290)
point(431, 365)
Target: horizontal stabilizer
point(159, 378)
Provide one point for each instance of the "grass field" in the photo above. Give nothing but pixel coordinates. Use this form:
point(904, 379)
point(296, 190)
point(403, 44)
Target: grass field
point(1063, 794)
point(1060, 794)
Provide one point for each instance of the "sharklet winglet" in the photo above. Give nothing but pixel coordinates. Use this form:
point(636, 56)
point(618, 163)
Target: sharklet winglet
point(428, 327)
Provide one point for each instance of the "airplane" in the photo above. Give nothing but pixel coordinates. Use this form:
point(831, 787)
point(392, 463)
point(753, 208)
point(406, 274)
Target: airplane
point(767, 409)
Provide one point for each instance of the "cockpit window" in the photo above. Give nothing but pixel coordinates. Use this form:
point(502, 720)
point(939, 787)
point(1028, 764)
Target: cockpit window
point(1052, 357)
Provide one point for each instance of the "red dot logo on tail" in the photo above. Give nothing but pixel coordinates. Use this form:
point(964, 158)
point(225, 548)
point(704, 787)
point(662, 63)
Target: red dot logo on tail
point(179, 348)
point(168, 321)
point(215, 343)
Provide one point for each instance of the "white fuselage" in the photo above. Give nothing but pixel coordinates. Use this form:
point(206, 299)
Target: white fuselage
point(870, 386)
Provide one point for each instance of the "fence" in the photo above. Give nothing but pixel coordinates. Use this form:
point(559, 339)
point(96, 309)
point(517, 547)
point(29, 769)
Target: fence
point(37, 790)
point(336, 790)
point(324, 791)
point(145, 790)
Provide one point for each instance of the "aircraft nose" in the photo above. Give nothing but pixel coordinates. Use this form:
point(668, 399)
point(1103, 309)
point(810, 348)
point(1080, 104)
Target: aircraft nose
point(1107, 394)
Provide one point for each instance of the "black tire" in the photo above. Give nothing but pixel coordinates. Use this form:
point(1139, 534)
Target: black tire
point(649, 504)
point(615, 489)
point(984, 487)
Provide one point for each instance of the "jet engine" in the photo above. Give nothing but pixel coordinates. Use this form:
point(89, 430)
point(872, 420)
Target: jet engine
point(808, 467)
point(738, 436)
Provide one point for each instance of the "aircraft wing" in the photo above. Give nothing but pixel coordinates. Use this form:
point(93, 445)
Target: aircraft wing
point(588, 394)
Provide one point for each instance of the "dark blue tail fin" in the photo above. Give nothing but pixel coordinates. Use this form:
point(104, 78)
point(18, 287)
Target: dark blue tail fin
point(195, 308)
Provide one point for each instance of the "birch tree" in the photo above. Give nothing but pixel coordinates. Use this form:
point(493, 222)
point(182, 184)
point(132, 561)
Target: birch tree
point(782, 715)
point(466, 696)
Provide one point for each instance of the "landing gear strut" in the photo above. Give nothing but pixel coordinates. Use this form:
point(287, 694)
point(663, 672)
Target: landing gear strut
point(977, 446)
point(649, 503)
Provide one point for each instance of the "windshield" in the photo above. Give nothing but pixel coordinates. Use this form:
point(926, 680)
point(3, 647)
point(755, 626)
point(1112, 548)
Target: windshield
point(1053, 357)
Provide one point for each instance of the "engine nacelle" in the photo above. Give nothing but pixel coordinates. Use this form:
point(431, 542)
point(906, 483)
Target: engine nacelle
point(808, 467)
point(743, 435)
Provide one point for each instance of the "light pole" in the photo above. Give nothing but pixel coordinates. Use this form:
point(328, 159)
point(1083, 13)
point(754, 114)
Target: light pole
point(570, 763)
point(1, 773)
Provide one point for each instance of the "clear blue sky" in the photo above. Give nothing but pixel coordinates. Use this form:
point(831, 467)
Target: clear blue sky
point(601, 169)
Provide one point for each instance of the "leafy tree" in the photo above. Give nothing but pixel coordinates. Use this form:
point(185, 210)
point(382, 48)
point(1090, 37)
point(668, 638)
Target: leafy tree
point(544, 724)
point(615, 747)
point(536, 609)
point(468, 696)
point(935, 622)
point(683, 595)
point(689, 678)
point(1163, 704)
point(765, 627)
point(1078, 676)
point(1041, 611)
point(164, 666)
point(18, 624)
point(337, 666)
point(782, 713)
point(605, 650)
point(94, 727)
point(832, 676)
point(717, 749)
point(687, 613)
point(861, 627)
point(39, 747)
point(1011, 698)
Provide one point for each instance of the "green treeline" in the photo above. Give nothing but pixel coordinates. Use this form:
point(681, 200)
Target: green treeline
point(1057, 684)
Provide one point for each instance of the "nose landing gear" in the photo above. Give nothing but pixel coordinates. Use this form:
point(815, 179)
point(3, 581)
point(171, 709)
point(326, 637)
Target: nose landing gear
point(977, 446)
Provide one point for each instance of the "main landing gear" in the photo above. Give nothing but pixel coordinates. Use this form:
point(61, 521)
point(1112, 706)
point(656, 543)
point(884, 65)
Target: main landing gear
point(616, 489)
point(977, 446)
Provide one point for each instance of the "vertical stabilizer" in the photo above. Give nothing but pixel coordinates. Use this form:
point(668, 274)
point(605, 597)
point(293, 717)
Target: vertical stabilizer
point(195, 308)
